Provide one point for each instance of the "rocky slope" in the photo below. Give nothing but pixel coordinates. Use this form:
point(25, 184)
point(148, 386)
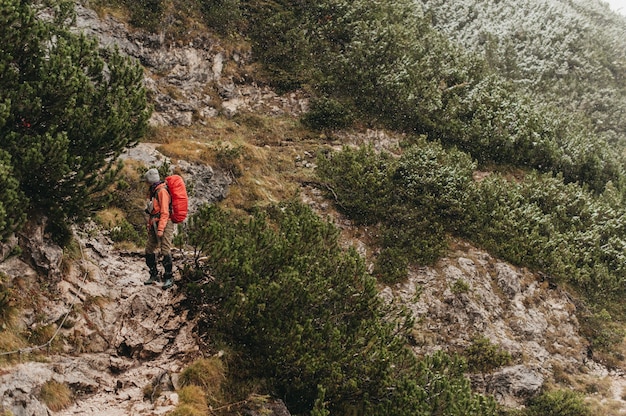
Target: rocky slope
point(190, 82)
point(117, 336)
point(123, 336)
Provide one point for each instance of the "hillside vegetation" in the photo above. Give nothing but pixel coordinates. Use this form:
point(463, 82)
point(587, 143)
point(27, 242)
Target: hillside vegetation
point(64, 119)
point(567, 52)
point(298, 314)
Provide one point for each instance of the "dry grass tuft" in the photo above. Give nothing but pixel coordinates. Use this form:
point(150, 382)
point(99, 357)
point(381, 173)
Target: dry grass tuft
point(192, 401)
point(208, 374)
point(189, 150)
point(10, 341)
point(187, 410)
point(605, 407)
point(57, 396)
point(110, 217)
point(41, 334)
point(71, 254)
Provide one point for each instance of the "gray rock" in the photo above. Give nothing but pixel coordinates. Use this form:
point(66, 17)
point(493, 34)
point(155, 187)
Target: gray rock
point(519, 382)
point(39, 251)
point(18, 389)
point(508, 279)
point(7, 247)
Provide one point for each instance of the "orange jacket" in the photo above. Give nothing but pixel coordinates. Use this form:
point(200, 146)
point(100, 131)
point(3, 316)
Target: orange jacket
point(160, 207)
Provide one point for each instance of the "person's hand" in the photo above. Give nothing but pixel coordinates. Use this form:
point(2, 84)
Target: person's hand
point(159, 234)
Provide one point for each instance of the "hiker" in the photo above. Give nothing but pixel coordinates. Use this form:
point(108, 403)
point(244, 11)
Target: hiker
point(160, 229)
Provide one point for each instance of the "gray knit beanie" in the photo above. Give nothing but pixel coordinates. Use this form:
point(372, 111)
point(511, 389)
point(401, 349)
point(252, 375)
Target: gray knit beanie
point(152, 176)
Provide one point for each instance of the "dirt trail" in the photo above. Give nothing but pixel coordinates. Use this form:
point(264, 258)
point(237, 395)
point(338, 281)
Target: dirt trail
point(123, 336)
point(149, 340)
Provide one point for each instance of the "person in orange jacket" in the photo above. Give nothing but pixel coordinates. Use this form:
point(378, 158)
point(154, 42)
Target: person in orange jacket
point(160, 229)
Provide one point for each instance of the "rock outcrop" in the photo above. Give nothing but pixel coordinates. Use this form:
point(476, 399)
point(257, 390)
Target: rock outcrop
point(188, 82)
point(119, 336)
point(470, 294)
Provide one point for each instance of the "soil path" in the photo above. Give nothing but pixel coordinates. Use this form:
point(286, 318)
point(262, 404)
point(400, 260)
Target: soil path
point(124, 346)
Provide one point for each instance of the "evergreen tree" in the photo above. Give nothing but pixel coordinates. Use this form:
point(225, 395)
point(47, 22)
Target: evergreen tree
point(68, 109)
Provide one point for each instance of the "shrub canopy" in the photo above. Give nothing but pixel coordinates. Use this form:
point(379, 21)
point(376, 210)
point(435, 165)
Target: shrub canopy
point(67, 110)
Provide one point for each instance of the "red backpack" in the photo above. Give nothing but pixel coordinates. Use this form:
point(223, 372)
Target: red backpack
point(178, 195)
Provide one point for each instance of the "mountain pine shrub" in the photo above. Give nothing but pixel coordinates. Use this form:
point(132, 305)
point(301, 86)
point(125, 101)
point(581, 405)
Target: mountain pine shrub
point(360, 182)
point(562, 229)
point(64, 118)
point(223, 16)
point(12, 200)
point(415, 199)
point(146, 14)
point(558, 403)
point(327, 113)
point(482, 356)
point(302, 316)
point(558, 228)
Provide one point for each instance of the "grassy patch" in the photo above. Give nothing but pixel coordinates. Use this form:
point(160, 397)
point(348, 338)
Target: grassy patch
point(192, 402)
point(57, 396)
point(208, 374)
point(259, 153)
point(10, 341)
point(71, 254)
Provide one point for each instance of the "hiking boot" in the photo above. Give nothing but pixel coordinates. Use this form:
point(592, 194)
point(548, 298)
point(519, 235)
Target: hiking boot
point(152, 280)
point(152, 265)
point(167, 276)
point(169, 282)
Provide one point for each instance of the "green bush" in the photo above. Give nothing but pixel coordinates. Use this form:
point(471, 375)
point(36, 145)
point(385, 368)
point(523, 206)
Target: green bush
point(438, 387)
point(565, 230)
point(391, 265)
point(64, 118)
point(415, 199)
point(304, 315)
point(12, 200)
point(434, 182)
point(460, 286)
point(278, 38)
point(558, 403)
point(359, 181)
point(327, 113)
point(223, 16)
point(146, 14)
point(483, 356)
point(558, 228)
point(125, 231)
